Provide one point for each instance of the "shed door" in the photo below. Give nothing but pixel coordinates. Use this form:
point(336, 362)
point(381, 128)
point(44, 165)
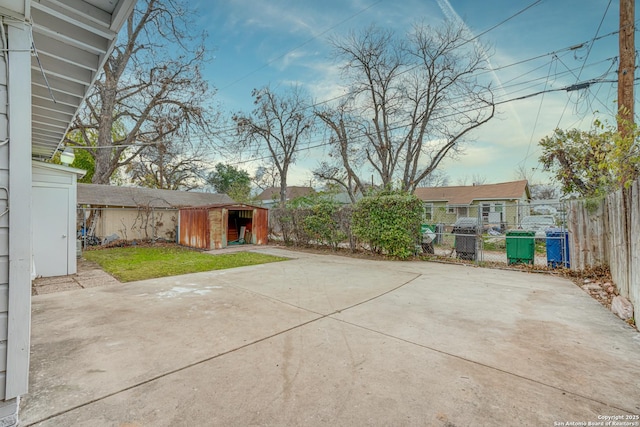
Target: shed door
point(50, 231)
point(261, 226)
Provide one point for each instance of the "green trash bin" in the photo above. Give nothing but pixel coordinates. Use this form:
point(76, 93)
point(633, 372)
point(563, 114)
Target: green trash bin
point(521, 246)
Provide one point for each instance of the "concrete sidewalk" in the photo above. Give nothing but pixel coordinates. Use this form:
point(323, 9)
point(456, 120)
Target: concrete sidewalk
point(328, 340)
point(89, 275)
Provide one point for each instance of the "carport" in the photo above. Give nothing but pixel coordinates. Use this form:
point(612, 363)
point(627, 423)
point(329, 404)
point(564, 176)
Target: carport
point(326, 340)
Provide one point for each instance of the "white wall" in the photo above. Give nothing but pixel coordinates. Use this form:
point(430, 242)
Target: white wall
point(54, 219)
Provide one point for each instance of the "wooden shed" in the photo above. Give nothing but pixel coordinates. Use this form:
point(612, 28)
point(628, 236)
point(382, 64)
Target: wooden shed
point(221, 225)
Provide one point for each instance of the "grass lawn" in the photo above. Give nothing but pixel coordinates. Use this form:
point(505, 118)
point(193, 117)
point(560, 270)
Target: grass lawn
point(142, 262)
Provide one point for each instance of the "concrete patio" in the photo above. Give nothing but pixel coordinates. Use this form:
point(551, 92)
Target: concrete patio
point(328, 340)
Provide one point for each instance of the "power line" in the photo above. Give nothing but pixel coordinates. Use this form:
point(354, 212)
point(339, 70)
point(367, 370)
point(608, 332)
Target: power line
point(553, 53)
point(358, 13)
point(573, 47)
point(514, 85)
point(535, 123)
point(301, 44)
point(505, 20)
point(585, 59)
point(364, 134)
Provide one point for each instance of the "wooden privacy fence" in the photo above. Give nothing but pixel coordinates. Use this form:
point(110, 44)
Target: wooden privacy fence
point(606, 232)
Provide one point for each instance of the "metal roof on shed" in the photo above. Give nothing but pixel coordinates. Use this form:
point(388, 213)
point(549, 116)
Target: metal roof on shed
point(231, 206)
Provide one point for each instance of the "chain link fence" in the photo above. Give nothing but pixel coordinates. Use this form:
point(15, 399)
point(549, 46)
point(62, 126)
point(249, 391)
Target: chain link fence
point(488, 233)
point(533, 234)
point(499, 233)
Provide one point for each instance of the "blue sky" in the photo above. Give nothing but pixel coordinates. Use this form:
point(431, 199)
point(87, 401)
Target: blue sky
point(280, 42)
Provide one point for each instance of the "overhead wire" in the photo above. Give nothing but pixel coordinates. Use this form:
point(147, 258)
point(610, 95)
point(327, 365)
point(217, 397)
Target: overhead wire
point(405, 71)
point(531, 95)
point(535, 123)
point(595, 38)
point(302, 44)
point(518, 87)
point(521, 11)
point(585, 59)
point(555, 52)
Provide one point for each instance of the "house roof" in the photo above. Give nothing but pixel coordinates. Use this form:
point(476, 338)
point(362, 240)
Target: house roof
point(465, 195)
point(273, 193)
point(72, 40)
point(111, 195)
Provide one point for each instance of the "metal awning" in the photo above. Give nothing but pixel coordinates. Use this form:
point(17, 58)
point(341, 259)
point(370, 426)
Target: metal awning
point(72, 39)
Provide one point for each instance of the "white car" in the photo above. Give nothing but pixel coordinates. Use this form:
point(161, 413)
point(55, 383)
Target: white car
point(539, 224)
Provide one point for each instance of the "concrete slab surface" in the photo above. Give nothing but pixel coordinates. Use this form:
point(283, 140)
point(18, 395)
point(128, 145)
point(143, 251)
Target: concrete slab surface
point(329, 340)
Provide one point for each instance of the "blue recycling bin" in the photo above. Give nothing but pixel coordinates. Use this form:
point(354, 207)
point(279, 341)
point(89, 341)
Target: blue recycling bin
point(557, 248)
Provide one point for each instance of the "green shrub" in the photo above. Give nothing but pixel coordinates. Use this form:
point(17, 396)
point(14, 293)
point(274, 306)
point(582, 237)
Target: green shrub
point(389, 223)
point(322, 223)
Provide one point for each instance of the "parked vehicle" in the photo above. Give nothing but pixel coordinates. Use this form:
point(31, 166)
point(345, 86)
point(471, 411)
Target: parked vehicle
point(538, 223)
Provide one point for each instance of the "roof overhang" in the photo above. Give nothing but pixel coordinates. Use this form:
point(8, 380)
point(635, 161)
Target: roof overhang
point(51, 166)
point(73, 39)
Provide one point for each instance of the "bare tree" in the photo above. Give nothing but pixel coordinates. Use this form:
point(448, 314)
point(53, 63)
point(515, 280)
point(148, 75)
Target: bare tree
point(544, 192)
point(522, 172)
point(475, 179)
point(170, 165)
point(342, 170)
point(436, 178)
point(150, 89)
point(276, 128)
point(266, 177)
point(414, 99)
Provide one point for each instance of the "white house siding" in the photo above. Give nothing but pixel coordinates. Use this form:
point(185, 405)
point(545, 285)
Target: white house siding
point(4, 227)
point(15, 241)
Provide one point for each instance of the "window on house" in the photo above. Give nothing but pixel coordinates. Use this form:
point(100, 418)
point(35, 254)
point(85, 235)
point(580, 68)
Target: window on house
point(428, 211)
point(451, 210)
point(492, 212)
point(486, 208)
point(463, 211)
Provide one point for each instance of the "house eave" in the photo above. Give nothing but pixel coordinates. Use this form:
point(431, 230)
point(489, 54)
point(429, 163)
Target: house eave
point(52, 166)
point(71, 42)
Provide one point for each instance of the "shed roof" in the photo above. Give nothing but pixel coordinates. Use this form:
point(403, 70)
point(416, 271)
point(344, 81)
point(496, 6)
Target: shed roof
point(272, 193)
point(230, 206)
point(465, 195)
point(111, 195)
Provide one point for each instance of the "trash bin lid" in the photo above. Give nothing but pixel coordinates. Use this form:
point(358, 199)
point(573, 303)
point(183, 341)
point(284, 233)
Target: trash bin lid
point(554, 232)
point(466, 222)
point(522, 233)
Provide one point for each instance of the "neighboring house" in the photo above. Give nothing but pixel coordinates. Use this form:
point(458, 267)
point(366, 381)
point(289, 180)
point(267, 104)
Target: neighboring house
point(503, 204)
point(343, 198)
point(40, 92)
point(135, 213)
point(271, 196)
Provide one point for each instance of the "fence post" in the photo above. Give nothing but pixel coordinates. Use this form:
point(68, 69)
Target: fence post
point(83, 234)
point(479, 240)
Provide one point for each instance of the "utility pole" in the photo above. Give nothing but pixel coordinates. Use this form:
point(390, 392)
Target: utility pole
point(626, 71)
